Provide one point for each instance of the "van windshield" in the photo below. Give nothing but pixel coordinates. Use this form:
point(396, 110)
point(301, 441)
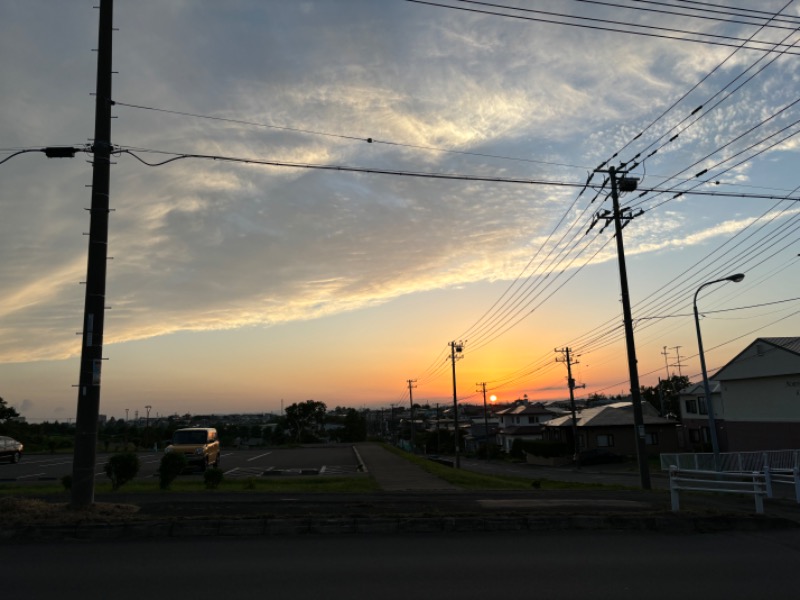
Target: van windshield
point(189, 437)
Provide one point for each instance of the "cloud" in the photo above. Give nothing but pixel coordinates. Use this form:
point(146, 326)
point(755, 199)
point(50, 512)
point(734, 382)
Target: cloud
point(201, 245)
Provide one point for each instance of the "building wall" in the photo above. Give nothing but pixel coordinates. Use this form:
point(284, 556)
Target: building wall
point(770, 399)
point(751, 436)
point(624, 441)
point(760, 360)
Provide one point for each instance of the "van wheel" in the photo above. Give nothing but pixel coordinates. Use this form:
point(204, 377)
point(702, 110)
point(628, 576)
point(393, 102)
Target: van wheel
point(15, 458)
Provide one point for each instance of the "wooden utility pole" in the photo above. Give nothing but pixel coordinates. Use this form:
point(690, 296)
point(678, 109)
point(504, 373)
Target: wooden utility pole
point(571, 384)
point(83, 469)
point(411, 386)
point(633, 370)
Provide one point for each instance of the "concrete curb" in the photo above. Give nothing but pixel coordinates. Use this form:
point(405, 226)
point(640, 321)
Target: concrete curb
point(382, 525)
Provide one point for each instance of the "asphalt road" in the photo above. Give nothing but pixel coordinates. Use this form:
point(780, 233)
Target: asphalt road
point(323, 460)
point(466, 566)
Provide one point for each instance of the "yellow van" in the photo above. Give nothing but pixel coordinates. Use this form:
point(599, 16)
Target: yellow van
point(200, 446)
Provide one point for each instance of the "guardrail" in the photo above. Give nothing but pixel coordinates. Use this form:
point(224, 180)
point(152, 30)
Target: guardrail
point(783, 476)
point(754, 484)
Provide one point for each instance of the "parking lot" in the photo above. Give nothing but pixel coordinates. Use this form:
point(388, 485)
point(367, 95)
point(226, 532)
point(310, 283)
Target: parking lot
point(263, 462)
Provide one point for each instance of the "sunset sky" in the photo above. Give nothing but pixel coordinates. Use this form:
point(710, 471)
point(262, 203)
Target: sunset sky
point(235, 287)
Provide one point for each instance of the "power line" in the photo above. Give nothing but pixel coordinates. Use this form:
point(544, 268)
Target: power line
point(729, 43)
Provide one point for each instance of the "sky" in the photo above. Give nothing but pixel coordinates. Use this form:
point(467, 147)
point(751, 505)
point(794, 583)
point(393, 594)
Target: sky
point(244, 287)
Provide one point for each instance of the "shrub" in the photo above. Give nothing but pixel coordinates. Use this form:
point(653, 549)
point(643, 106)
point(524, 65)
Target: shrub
point(121, 468)
point(66, 481)
point(171, 466)
point(213, 477)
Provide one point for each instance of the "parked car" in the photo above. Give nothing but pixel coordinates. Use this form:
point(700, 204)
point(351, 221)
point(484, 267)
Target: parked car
point(10, 449)
point(200, 446)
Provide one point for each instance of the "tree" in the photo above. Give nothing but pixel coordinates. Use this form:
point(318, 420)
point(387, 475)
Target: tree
point(354, 427)
point(305, 420)
point(7, 412)
point(670, 390)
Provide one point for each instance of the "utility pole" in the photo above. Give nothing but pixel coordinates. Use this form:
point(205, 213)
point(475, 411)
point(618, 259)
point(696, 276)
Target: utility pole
point(411, 386)
point(571, 383)
point(485, 416)
point(455, 348)
point(665, 354)
point(85, 454)
point(678, 363)
point(628, 184)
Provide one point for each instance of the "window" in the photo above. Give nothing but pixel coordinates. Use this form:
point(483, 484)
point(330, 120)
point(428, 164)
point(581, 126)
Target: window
point(605, 440)
point(651, 439)
point(691, 406)
point(701, 402)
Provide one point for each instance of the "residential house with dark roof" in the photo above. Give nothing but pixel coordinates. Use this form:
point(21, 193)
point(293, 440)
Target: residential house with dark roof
point(760, 397)
point(522, 421)
point(610, 428)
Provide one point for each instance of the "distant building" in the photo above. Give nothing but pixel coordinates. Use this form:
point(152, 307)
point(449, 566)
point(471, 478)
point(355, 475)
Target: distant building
point(760, 397)
point(610, 427)
point(522, 421)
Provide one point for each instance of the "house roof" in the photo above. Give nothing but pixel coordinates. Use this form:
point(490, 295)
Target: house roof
point(764, 357)
point(610, 415)
point(697, 389)
point(535, 408)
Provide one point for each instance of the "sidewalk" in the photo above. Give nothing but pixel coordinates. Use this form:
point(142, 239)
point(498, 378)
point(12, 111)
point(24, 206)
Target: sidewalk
point(395, 474)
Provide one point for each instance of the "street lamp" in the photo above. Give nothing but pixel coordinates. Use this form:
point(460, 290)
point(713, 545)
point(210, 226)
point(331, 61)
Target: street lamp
point(712, 426)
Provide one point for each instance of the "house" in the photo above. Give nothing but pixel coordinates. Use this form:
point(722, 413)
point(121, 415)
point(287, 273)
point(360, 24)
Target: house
point(760, 397)
point(522, 421)
point(610, 428)
point(694, 414)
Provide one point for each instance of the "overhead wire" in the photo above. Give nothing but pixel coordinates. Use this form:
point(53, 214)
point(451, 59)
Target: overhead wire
point(649, 29)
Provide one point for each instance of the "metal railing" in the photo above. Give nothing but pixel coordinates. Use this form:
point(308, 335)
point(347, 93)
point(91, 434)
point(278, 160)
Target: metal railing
point(783, 476)
point(754, 483)
point(734, 462)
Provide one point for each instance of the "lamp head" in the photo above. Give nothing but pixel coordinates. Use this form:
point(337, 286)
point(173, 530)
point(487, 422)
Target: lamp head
point(736, 278)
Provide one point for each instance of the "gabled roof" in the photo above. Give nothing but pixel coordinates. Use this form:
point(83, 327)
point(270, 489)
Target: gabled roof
point(697, 389)
point(764, 357)
point(534, 408)
point(610, 415)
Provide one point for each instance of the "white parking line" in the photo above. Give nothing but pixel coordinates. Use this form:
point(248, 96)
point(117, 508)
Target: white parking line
point(259, 456)
point(233, 470)
point(56, 464)
point(30, 476)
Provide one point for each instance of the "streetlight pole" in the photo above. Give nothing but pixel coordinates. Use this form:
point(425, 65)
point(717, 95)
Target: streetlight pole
point(712, 425)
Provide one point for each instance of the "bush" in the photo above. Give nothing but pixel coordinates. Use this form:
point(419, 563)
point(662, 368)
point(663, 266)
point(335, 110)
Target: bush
point(171, 466)
point(121, 468)
point(66, 481)
point(213, 477)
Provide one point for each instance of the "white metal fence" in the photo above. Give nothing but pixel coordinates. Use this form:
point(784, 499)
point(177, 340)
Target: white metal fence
point(777, 467)
point(734, 462)
point(716, 481)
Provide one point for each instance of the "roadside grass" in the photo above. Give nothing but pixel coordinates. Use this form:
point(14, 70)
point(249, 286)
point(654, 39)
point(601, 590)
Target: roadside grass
point(469, 480)
point(293, 484)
